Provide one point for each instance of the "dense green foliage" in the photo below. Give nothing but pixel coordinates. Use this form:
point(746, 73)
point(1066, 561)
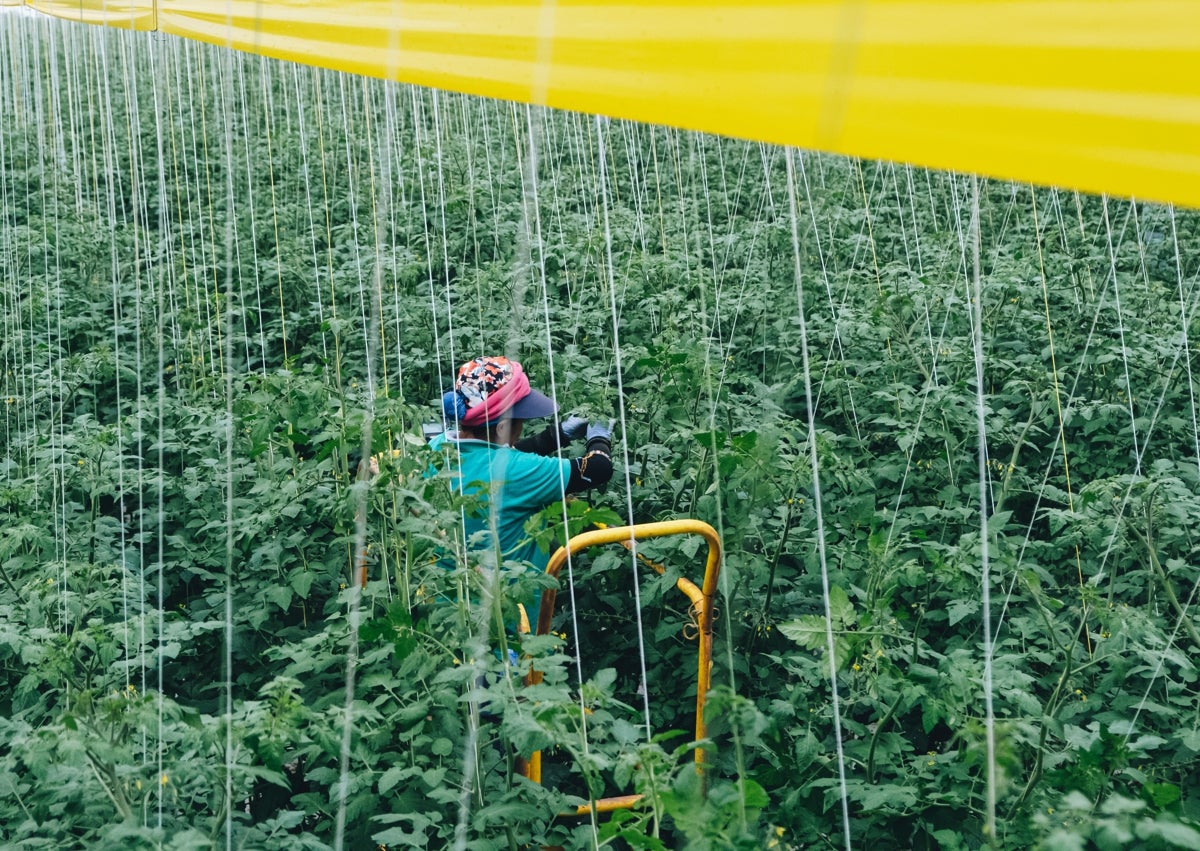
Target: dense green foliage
point(222, 278)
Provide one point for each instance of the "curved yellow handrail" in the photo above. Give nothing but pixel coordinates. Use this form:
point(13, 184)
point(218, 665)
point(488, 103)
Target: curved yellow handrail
point(702, 608)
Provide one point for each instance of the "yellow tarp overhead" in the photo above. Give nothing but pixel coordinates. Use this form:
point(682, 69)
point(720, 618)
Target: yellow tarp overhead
point(1100, 95)
point(131, 14)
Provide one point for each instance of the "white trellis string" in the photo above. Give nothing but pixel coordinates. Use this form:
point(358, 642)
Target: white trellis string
point(418, 121)
point(600, 126)
point(391, 132)
point(834, 314)
point(247, 132)
point(935, 350)
point(1186, 344)
point(1184, 351)
point(965, 270)
point(1068, 408)
point(1112, 259)
point(729, 344)
point(723, 579)
point(817, 503)
point(140, 214)
point(908, 260)
point(441, 189)
point(47, 115)
point(976, 302)
point(305, 168)
point(117, 315)
point(227, 374)
point(161, 404)
point(532, 221)
point(358, 586)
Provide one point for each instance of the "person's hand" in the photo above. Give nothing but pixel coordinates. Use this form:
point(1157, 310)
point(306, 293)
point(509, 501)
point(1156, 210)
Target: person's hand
point(574, 427)
point(600, 430)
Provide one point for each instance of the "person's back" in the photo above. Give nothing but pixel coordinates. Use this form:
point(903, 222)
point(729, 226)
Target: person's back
point(516, 478)
point(518, 485)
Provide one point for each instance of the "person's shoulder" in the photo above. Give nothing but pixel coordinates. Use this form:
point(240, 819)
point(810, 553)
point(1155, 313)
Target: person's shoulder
point(453, 439)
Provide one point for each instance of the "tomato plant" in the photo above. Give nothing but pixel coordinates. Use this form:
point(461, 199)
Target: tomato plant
point(223, 282)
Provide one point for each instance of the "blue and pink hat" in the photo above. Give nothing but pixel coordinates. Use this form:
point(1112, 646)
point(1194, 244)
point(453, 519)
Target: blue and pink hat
point(492, 388)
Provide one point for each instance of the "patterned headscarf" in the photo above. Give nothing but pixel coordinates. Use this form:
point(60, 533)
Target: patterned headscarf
point(486, 388)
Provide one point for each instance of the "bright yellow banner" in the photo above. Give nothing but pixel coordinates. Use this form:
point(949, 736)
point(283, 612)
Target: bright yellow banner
point(130, 14)
point(1099, 95)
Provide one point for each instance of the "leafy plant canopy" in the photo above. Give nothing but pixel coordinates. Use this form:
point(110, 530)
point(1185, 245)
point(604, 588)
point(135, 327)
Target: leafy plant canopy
point(947, 431)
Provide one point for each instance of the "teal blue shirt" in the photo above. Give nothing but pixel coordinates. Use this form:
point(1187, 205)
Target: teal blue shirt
point(521, 483)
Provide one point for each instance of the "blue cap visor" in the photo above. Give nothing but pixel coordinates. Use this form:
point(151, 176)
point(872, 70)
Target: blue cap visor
point(532, 407)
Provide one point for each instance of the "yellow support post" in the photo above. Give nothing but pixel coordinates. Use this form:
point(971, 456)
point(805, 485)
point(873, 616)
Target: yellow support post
point(701, 598)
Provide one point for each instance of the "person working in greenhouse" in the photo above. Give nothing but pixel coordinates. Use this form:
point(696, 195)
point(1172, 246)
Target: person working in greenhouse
point(487, 410)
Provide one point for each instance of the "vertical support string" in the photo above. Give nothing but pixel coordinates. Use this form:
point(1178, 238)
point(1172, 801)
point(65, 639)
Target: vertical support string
point(1187, 348)
point(1058, 409)
point(160, 517)
point(533, 226)
point(815, 466)
point(1112, 261)
point(976, 302)
point(601, 124)
point(227, 376)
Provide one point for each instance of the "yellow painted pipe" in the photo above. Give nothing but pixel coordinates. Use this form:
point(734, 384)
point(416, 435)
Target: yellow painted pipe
point(701, 597)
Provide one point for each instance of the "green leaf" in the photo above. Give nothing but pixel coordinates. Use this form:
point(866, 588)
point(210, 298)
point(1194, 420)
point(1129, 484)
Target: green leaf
point(959, 610)
point(807, 630)
point(805, 750)
point(398, 836)
point(840, 607)
point(442, 747)
point(280, 595)
point(1162, 795)
point(1190, 740)
point(753, 795)
point(1173, 832)
point(301, 582)
point(391, 777)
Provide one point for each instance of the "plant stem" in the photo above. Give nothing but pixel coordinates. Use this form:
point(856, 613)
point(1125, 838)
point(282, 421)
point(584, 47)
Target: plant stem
point(787, 525)
point(1051, 708)
point(879, 728)
point(1147, 540)
point(107, 785)
point(1012, 461)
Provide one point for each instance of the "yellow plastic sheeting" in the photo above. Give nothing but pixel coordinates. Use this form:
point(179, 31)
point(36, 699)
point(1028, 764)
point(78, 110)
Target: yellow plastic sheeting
point(131, 14)
point(1100, 95)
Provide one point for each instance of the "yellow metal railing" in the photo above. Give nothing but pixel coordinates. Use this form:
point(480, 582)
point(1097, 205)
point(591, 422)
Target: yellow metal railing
point(701, 609)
